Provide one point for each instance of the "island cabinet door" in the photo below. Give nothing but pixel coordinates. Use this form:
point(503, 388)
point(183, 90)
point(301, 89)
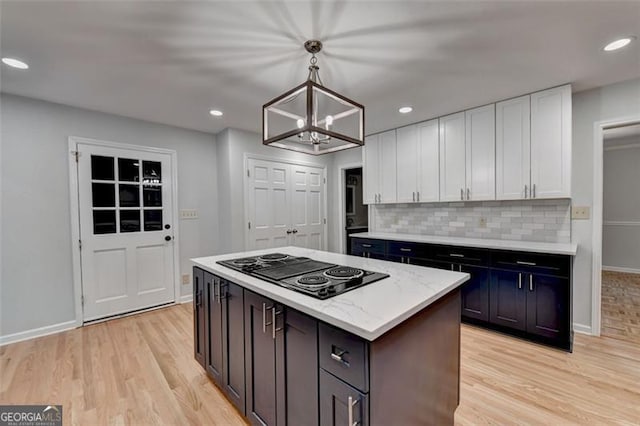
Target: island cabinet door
point(508, 299)
point(262, 343)
point(475, 293)
point(233, 339)
point(213, 323)
point(340, 404)
point(199, 316)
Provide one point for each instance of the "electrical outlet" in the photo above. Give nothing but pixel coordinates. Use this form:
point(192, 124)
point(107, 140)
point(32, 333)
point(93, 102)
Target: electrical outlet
point(186, 279)
point(189, 214)
point(483, 222)
point(580, 212)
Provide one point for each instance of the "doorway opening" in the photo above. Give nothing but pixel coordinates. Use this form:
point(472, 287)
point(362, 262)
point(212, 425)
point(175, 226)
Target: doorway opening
point(356, 213)
point(620, 294)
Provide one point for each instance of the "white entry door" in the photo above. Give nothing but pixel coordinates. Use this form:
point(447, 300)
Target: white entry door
point(285, 205)
point(126, 229)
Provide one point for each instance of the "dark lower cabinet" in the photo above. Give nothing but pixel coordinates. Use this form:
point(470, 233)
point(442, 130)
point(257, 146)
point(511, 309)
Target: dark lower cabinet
point(263, 345)
point(508, 299)
point(475, 293)
point(213, 323)
point(232, 299)
point(547, 310)
point(341, 404)
point(199, 333)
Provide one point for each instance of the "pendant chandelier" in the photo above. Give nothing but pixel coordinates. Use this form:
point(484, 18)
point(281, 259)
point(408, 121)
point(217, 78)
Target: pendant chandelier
point(311, 118)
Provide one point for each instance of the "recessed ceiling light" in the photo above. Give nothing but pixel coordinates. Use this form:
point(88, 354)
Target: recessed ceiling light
point(215, 113)
point(15, 63)
point(618, 44)
point(405, 110)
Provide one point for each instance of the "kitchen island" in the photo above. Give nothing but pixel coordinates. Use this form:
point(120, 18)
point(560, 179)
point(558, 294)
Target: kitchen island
point(384, 353)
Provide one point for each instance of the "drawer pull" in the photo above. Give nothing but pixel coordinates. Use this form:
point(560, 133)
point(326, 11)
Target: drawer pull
point(366, 245)
point(519, 262)
point(337, 355)
point(405, 249)
point(456, 255)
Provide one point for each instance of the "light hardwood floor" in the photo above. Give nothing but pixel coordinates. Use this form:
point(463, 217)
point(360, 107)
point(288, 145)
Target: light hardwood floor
point(621, 305)
point(140, 370)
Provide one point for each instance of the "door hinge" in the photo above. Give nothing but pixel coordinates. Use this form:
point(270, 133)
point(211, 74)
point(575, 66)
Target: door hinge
point(325, 220)
point(249, 225)
point(248, 173)
point(325, 180)
point(82, 300)
point(76, 154)
point(80, 244)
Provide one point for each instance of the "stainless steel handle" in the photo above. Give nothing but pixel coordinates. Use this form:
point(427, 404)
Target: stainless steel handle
point(526, 191)
point(401, 259)
point(462, 194)
point(459, 268)
point(452, 267)
point(468, 194)
point(199, 298)
point(405, 249)
point(408, 260)
point(414, 196)
point(352, 403)
point(366, 245)
point(274, 319)
point(264, 317)
point(418, 196)
point(519, 262)
point(530, 282)
point(519, 280)
point(337, 355)
point(456, 255)
point(533, 191)
point(219, 293)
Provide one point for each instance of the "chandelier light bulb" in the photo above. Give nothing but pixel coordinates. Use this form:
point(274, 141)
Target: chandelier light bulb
point(300, 123)
point(329, 120)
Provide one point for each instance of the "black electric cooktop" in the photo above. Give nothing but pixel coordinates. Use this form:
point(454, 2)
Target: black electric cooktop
point(311, 277)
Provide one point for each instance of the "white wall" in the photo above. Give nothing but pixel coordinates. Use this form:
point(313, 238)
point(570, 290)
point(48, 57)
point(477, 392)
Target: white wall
point(621, 204)
point(233, 144)
point(36, 279)
point(589, 107)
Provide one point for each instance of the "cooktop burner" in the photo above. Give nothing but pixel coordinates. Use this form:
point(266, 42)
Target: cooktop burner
point(311, 277)
point(344, 273)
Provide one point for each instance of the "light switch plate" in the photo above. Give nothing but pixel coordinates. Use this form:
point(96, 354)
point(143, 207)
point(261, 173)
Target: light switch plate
point(189, 214)
point(580, 212)
point(186, 279)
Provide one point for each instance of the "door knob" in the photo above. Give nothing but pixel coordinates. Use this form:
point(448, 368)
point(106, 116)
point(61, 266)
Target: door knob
point(289, 231)
point(295, 231)
point(167, 238)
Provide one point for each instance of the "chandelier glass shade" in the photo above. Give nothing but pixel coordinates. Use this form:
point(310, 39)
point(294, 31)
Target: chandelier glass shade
point(311, 118)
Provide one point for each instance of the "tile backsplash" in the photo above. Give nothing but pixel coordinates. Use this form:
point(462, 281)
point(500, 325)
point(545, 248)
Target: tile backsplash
point(530, 220)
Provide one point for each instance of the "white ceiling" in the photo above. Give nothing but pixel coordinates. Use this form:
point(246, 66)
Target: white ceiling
point(171, 62)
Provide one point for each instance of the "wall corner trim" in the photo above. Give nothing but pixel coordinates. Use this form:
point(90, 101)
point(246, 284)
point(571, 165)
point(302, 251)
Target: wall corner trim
point(582, 329)
point(37, 332)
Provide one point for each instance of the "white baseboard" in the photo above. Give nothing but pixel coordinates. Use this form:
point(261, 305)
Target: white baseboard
point(582, 329)
point(186, 298)
point(37, 332)
point(620, 269)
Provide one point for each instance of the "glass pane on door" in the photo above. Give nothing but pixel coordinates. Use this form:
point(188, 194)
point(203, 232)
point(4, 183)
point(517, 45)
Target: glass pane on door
point(102, 168)
point(153, 220)
point(152, 172)
point(104, 194)
point(128, 170)
point(152, 195)
point(104, 221)
point(129, 220)
point(129, 195)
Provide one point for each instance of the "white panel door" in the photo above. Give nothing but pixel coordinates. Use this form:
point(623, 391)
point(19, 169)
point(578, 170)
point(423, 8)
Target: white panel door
point(371, 165)
point(480, 153)
point(285, 205)
point(269, 204)
point(388, 167)
point(551, 143)
point(428, 162)
point(126, 206)
point(513, 149)
point(307, 207)
point(408, 163)
point(452, 157)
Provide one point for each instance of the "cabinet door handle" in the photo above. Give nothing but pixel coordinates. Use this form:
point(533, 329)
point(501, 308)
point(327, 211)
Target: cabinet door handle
point(337, 355)
point(468, 194)
point(264, 317)
point(401, 259)
point(526, 190)
point(219, 293)
point(414, 197)
point(418, 196)
point(352, 403)
point(519, 280)
point(452, 267)
point(530, 282)
point(462, 194)
point(520, 262)
point(533, 191)
point(408, 260)
point(274, 319)
point(456, 255)
point(459, 268)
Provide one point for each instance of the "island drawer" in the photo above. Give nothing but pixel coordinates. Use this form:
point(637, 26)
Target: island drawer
point(345, 356)
point(461, 255)
point(412, 250)
point(363, 245)
point(535, 263)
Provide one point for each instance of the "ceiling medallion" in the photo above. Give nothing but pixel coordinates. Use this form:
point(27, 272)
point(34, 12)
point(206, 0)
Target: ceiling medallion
point(311, 118)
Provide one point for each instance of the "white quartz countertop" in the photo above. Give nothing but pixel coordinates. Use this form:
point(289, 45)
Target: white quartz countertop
point(534, 247)
point(368, 311)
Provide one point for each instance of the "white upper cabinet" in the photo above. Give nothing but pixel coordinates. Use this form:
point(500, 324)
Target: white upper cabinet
point(418, 163)
point(452, 157)
point(428, 162)
point(408, 163)
point(379, 160)
point(480, 153)
point(551, 143)
point(513, 148)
